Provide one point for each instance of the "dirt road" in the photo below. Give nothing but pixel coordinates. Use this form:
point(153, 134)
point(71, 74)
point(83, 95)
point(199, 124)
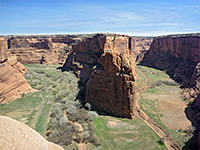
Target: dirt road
point(170, 143)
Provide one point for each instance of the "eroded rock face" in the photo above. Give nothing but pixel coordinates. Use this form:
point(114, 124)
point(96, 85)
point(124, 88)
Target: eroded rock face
point(141, 46)
point(106, 67)
point(111, 86)
point(41, 49)
point(54, 49)
point(18, 136)
point(12, 82)
point(3, 50)
point(178, 55)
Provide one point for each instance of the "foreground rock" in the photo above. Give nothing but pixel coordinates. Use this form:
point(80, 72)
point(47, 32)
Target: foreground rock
point(18, 136)
point(106, 67)
point(12, 82)
point(179, 55)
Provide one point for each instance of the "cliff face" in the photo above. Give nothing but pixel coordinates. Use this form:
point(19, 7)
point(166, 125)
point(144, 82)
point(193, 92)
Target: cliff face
point(141, 46)
point(12, 82)
point(16, 135)
point(177, 55)
point(106, 67)
point(54, 49)
point(3, 50)
point(111, 86)
point(180, 57)
point(41, 49)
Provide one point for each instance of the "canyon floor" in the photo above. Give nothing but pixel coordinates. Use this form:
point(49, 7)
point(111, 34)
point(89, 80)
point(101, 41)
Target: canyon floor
point(160, 98)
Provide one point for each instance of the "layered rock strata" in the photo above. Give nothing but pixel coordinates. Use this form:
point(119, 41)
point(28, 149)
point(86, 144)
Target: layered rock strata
point(178, 55)
point(50, 49)
point(12, 82)
point(106, 67)
point(18, 136)
point(54, 49)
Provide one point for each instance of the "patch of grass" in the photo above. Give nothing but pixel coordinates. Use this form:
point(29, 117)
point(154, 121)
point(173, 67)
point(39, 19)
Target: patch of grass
point(43, 119)
point(148, 104)
point(24, 108)
point(140, 137)
point(41, 66)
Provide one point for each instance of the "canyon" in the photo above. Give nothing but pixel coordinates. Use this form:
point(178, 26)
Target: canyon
point(106, 67)
point(83, 54)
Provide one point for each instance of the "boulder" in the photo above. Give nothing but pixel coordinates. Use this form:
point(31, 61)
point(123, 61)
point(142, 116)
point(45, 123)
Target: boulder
point(18, 136)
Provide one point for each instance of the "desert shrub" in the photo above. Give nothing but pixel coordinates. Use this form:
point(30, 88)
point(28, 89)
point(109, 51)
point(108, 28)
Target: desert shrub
point(88, 106)
point(171, 83)
point(62, 90)
point(190, 130)
point(161, 141)
point(35, 82)
point(28, 76)
point(55, 76)
point(92, 115)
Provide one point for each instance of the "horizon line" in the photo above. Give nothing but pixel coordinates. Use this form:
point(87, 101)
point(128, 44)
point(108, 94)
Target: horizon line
point(120, 33)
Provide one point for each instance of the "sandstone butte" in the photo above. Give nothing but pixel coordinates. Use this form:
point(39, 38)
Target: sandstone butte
point(179, 55)
point(12, 82)
point(15, 135)
point(106, 67)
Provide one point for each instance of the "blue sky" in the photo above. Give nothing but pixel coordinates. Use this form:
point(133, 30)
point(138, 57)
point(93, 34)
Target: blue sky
point(133, 17)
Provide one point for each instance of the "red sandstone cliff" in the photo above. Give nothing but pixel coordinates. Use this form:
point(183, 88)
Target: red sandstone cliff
point(111, 86)
point(106, 67)
point(41, 49)
point(183, 47)
point(12, 82)
point(141, 46)
point(49, 49)
point(178, 55)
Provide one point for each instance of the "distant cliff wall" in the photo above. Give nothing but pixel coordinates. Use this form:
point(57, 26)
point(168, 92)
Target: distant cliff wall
point(41, 49)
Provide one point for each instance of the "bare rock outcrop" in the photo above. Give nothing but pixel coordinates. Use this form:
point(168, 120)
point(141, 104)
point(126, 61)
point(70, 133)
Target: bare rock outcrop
point(106, 67)
point(18, 136)
point(12, 82)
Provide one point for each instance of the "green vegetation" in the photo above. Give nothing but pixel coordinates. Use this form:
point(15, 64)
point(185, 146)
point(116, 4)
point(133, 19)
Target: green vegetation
point(161, 94)
point(56, 114)
point(23, 109)
point(53, 111)
point(117, 133)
